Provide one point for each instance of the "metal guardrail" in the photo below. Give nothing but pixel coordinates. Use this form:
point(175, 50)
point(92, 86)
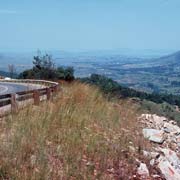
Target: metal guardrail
point(49, 89)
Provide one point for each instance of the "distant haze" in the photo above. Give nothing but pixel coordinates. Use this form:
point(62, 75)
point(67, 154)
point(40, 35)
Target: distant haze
point(23, 60)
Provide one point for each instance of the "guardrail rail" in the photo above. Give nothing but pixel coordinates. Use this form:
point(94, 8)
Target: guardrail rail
point(47, 91)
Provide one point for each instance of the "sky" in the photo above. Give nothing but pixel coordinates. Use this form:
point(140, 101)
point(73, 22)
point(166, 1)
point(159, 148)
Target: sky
point(89, 24)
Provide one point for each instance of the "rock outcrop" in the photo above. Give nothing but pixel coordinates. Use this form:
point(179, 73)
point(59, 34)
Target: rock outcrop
point(165, 136)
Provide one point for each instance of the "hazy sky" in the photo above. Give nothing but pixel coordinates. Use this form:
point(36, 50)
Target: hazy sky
point(89, 24)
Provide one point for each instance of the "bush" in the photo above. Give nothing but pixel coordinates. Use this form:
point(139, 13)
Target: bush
point(65, 73)
point(27, 74)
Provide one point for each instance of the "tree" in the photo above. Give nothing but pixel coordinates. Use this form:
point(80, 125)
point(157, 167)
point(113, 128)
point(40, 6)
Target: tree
point(44, 67)
point(43, 62)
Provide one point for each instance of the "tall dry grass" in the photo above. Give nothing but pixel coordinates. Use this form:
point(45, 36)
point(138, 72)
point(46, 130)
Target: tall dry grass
point(80, 135)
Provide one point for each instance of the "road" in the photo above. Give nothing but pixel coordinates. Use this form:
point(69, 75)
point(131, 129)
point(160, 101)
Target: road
point(7, 88)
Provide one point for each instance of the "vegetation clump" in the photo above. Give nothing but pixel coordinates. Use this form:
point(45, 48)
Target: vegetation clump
point(112, 88)
point(44, 68)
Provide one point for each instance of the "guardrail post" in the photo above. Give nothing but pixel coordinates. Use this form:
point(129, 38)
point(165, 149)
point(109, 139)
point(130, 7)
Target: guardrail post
point(14, 105)
point(48, 93)
point(36, 96)
point(55, 90)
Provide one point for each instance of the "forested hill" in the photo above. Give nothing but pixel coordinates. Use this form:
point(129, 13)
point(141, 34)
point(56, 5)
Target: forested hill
point(108, 86)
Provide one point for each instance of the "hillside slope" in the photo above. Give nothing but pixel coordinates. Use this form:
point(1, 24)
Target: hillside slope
point(83, 135)
point(157, 75)
point(80, 135)
point(170, 59)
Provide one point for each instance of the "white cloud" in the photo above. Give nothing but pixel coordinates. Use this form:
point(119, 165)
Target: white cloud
point(6, 11)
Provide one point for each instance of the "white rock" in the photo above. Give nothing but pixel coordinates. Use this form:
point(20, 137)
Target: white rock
point(152, 161)
point(170, 128)
point(171, 156)
point(154, 121)
point(154, 117)
point(178, 144)
point(143, 170)
point(168, 170)
point(150, 154)
point(156, 176)
point(154, 135)
point(173, 122)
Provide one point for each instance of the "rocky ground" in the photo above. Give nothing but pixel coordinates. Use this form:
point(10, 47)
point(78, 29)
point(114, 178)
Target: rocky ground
point(162, 156)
